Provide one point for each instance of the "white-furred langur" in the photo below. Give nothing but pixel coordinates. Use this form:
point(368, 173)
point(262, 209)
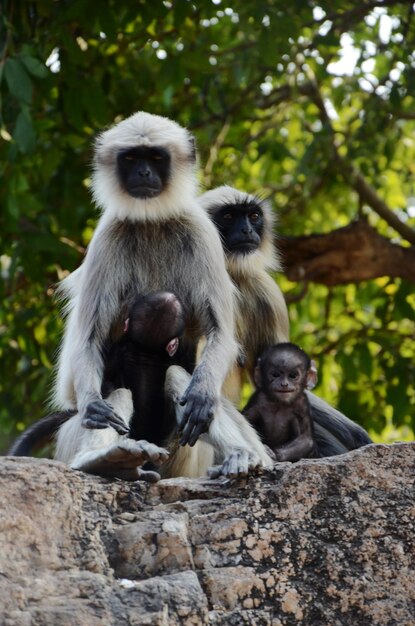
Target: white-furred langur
point(152, 236)
point(245, 224)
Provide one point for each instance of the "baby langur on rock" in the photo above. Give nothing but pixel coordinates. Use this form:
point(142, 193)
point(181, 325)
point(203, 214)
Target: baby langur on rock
point(279, 408)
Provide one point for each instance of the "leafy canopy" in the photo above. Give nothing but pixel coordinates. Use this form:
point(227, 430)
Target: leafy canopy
point(293, 100)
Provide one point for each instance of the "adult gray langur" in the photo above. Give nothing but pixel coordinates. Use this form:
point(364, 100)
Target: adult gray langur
point(245, 224)
point(152, 236)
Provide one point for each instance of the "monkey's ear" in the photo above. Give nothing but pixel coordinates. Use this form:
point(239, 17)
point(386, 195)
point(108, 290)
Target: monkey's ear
point(172, 346)
point(312, 376)
point(126, 324)
point(257, 374)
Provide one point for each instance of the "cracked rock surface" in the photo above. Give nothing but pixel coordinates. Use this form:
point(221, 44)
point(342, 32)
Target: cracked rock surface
point(319, 542)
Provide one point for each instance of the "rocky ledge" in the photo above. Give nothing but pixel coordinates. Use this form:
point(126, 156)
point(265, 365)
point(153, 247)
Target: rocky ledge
point(319, 542)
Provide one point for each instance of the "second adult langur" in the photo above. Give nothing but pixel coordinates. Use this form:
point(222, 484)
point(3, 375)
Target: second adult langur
point(245, 224)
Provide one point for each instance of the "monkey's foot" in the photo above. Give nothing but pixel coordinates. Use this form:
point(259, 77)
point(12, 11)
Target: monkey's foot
point(238, 464)
point(122, 460)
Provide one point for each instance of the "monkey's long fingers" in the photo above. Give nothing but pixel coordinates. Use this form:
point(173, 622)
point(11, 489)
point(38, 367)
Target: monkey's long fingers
point(237, 465)
point(197, 416)
point(100, 414)
point(98, 422)
point(192, 431)
point(198, 430)
point(232, 465)
point(118, 425)
point(230, 468)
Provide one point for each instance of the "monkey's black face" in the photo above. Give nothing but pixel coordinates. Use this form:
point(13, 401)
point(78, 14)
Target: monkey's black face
point(143, 172)
point(284, 377)
point(240, 226)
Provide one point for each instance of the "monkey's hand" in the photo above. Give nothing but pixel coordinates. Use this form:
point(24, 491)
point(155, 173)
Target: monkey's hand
point(238, 464)
point(100, 414)
point(197, 414)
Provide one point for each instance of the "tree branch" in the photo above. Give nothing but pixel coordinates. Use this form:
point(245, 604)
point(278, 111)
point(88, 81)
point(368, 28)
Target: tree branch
point(347, 255)
point(367, 194)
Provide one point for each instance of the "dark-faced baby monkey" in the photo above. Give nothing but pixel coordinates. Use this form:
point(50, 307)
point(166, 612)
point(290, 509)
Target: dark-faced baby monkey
point(245, 224)
point(137, 361)
point(279, 408)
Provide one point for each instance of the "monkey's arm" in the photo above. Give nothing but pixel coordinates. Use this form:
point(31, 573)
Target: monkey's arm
point(251, 412)
point(202, 395)
point(215, 308)
point(298, 448)
point(93, 306)
point(96, 413)
point(238, 464)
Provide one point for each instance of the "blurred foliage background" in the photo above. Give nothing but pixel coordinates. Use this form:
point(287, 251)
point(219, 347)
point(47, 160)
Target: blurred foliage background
point(309, 103)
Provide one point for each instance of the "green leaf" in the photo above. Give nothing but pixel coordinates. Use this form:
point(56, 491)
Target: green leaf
point(12, 207)
point(107, 21)
point(23, 134)
point(167, 96)
point(35, 67)
point(18, 80)
point(365, 360)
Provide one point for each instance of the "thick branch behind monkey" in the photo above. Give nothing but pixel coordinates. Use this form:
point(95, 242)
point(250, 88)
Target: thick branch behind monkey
point(347, 255)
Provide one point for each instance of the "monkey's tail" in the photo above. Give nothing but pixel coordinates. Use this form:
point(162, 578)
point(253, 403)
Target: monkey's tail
point(39, 433)
point(335, 433)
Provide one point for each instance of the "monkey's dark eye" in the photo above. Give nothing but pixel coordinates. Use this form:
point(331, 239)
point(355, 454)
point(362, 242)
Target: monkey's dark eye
point(157, 157)
point(254, 217)
point(227, 217)
point(293, 375)
point(128, 157)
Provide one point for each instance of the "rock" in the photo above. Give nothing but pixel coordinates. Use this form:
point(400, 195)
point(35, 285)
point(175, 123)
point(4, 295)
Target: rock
point(324, 541)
